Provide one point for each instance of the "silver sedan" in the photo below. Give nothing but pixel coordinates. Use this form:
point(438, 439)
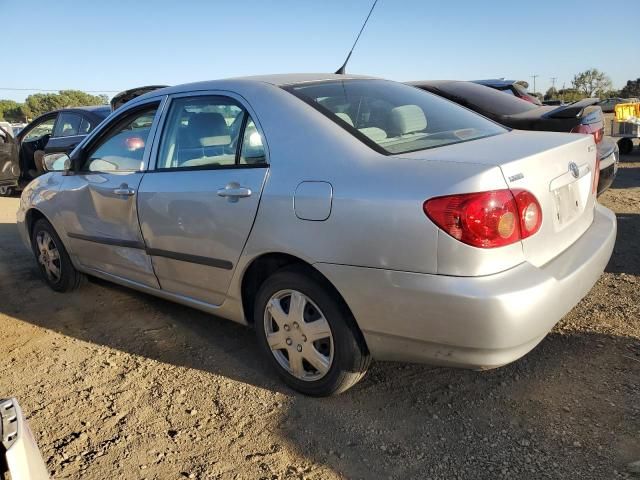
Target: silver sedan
point(344, 218)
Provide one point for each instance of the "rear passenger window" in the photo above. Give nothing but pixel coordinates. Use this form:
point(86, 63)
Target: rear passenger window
point(252, 148)
point(209, 132)
point(68, 125)
point(85, 127)
point(124, 146)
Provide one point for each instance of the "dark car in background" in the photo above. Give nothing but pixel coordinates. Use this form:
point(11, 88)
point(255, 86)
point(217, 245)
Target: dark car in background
point(510, 87)
point(608, 105)
point(54, 132)
point(579, 117)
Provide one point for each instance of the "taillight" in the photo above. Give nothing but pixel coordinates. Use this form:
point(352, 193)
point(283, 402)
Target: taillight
point(486, 219)
point(594, 129)
point(596, 177)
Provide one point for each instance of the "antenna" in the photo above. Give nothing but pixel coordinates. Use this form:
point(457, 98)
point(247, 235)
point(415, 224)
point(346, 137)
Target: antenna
point(341, 70)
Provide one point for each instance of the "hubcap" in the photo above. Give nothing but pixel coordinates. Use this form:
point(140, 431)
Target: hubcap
point(48, 256)
point(299, 335)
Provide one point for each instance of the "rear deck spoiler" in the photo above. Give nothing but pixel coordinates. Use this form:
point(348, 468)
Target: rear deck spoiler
point(574, 109)
point(127, 95)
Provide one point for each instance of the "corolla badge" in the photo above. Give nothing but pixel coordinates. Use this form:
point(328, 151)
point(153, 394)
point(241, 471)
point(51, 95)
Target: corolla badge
point(573, 168)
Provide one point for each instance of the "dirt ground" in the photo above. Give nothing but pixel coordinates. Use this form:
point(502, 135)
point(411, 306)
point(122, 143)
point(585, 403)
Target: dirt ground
point(118, 384)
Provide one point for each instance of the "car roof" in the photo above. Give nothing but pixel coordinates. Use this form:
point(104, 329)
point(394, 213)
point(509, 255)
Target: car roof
point(277, 80)
point(100, 110)
point(495, 82)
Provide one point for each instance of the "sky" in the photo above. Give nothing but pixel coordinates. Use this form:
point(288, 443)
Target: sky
point(110, 46)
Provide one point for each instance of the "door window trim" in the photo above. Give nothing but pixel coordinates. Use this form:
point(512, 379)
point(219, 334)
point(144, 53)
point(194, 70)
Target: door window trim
point(101, 133)
point(240, 100)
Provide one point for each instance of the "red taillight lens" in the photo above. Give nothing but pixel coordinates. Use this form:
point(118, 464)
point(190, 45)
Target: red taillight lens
point(594, 129)
point(486, 219)
point(596, 177)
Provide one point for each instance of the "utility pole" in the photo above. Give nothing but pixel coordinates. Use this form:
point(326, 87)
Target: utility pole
point(553, 83)
point(534, 82)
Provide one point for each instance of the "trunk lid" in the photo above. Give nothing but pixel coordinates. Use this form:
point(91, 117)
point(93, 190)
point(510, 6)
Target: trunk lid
point(545, 164)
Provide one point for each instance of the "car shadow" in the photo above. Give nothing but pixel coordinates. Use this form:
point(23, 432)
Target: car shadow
point(627, 177)
point(557, 406)
point(625, 252)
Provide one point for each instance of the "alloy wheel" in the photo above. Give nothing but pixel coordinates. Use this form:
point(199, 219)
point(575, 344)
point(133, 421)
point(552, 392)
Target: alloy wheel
point(298, 335)
point(49, 256)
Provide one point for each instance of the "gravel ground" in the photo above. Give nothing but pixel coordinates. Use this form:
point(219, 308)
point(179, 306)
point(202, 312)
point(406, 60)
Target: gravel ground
point(118, 384)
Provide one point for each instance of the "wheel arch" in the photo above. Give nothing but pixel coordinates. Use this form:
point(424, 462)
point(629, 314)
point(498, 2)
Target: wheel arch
point(31, 217)
point(265, 265)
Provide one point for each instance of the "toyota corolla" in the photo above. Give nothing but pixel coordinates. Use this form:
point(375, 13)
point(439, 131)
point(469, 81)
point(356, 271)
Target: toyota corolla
point(344, 218)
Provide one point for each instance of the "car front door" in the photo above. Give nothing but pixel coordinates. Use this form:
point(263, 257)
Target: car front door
point(98, 207)
point(33, 139)
point(197, 206)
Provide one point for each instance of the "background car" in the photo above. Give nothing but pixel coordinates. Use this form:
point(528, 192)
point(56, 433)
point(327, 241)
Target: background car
point(6, 126)
point(345, 218)
point(608, 105)
point(57, 131)
point(510, 87)
point(513, 112)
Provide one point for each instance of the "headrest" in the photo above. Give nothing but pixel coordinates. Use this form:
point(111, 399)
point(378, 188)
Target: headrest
point(374, 133)
point(345, 118)
point(408, 119)
point(208, 129)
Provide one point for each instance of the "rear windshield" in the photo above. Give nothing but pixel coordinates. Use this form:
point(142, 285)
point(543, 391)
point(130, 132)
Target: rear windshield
point(394, 118)
point(486, 98)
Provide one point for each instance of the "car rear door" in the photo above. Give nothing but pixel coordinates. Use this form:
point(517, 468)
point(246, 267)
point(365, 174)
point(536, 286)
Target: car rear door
point(197, 206)
point(99, 205)
point(66, 133)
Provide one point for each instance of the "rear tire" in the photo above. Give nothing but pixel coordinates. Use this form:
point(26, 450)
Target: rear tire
point(309, 336)
point(625, 145)
point(53, 260)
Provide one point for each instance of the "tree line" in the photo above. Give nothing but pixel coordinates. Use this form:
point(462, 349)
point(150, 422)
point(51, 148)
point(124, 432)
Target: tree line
point(40, 103)
point(591, 83)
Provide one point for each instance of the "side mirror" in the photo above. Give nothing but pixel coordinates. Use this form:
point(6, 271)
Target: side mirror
point(56, 162)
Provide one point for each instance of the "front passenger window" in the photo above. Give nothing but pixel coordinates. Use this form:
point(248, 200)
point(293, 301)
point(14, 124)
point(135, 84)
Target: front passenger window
point(123, 148)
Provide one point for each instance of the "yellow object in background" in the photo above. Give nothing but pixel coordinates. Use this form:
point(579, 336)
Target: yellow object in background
point(626, 111)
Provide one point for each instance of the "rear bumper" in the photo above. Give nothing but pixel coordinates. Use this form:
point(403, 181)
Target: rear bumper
point(472, 322)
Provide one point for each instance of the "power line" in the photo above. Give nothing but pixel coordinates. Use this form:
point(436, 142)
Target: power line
point(56, 90)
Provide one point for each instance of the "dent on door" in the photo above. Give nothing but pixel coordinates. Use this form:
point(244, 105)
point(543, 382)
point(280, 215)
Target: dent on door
point(101, 221)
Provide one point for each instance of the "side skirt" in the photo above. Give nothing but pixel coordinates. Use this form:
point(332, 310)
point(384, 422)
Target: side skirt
point(225, 310)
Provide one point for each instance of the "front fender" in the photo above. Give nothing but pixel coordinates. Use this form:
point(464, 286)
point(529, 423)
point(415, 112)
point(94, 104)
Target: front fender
point(39, 196)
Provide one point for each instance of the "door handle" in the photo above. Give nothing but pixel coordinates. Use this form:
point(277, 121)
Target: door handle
point(233, 191)
point(124, 190)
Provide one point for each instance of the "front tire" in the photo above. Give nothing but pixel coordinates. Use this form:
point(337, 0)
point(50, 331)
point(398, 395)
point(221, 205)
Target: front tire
point(53, 260)
point(308, 334)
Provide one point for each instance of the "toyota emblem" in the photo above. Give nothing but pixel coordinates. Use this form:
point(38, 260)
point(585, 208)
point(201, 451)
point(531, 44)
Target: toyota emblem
point(575, 171)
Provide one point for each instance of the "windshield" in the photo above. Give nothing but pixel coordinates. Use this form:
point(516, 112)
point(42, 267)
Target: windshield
point(394, 118)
